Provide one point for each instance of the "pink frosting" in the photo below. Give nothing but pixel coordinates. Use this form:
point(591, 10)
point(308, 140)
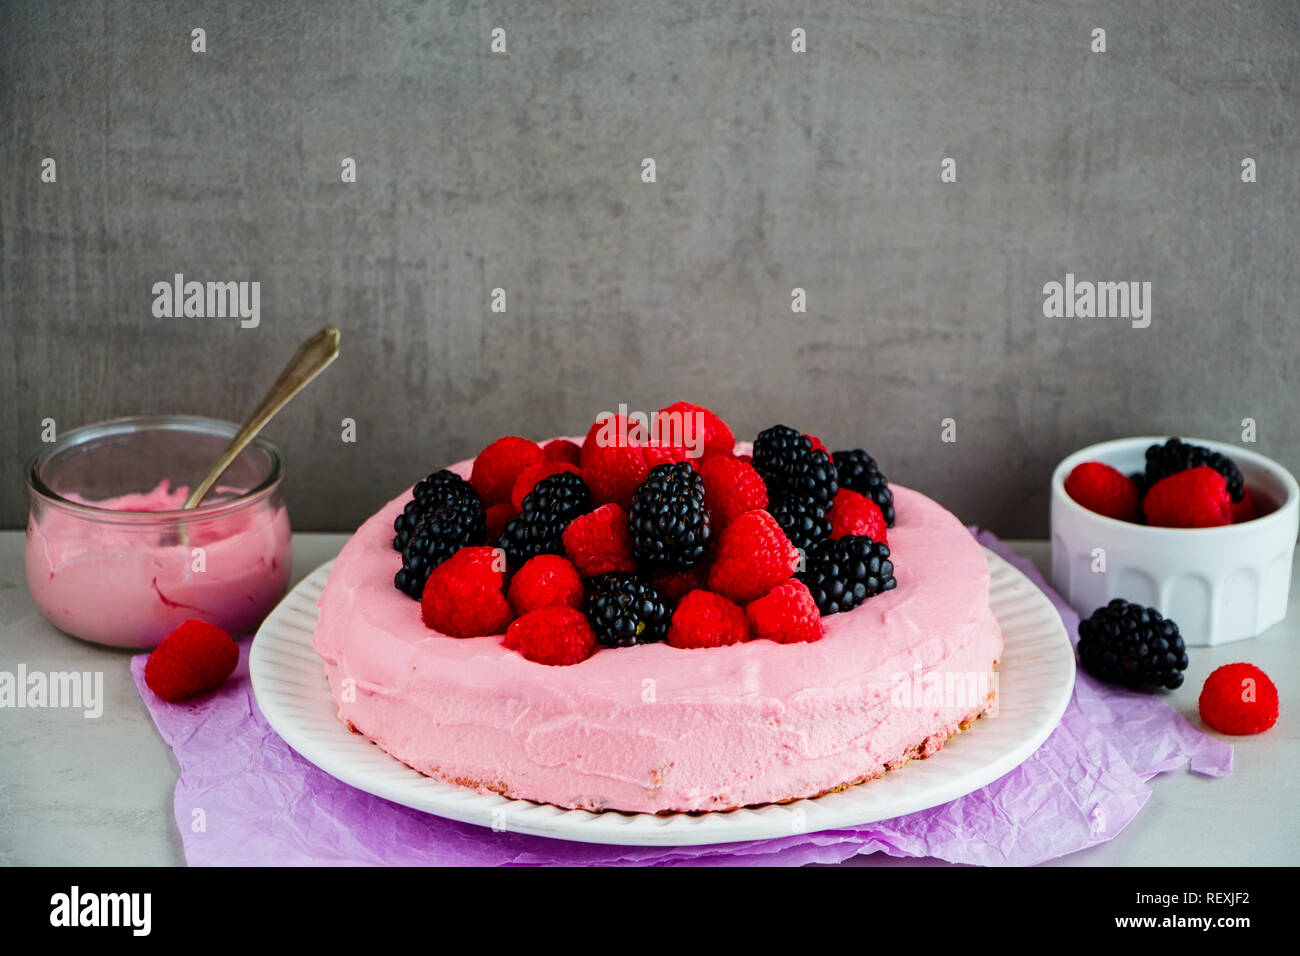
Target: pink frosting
point(655, 728)
point(129, 585)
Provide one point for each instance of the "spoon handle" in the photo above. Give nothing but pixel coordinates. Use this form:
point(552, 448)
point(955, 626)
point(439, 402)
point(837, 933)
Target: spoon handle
point(312, 357)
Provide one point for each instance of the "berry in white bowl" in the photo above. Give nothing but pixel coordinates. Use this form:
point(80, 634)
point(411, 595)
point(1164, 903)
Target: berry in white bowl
point(1220, 583)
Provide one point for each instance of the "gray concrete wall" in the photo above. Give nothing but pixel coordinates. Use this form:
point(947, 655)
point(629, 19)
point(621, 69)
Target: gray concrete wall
point(775, 170)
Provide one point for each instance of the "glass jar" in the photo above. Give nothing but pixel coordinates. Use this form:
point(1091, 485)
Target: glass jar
point(112, 558)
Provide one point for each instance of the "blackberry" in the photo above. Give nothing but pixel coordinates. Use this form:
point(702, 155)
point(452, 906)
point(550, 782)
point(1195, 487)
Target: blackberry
point(428, 494)
point(625, 610)
point(803, 520)
point(790, 465)
point(858, 471)
point(1131, 645)
point(844, 572)
point(1175, 456)
point(668, 522)
point(433, 536)
point(547, 511)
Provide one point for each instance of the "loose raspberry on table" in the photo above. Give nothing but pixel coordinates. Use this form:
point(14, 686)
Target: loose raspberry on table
point(598, 542)
point(731, 487)
point(786, 614)
point(855, 513)
point(542, 581)
point(193, 659)
point(1239, 699)
point(1196, 498)
point(753, 556)
point(1105, 490)
point(705, 619)
point(557, 635)
point(499, 464)
point(463, 596)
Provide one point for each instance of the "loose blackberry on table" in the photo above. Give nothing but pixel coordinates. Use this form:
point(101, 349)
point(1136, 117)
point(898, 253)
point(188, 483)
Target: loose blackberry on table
point(624, 610)
point(1133, 646)
point(1175, 455)
point(669, 524)
point(858, 471)
point(803, 520)
point(843, 572)
point(547, 511)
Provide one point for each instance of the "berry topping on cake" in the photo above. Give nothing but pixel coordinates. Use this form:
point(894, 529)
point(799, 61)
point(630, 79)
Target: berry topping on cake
point(786, 614)
point(193, 659)
point(530, 476)
point(463, 596)
point(858, 472)
point(561, 449)
point(668, 522)
point(625, 610)
point(598, 542)
point(696, 426)
point(499, 464)
point(752, 556)
point(613, 472)
point(818, 444)
point(495, 520)
point(731, 487)
point(1175, 455)
point(431, 533)
point(1196, 498)
point(543, 581)
point(556, 635)
point(1103, 489)
point(547, 511)
point(1133, 646)
point(705, 619)
point(855, 513)
point(844, 572)
point(790, 465)
point(803, 520)
point(1239, 699)
point(612, 431)
point(674, 585)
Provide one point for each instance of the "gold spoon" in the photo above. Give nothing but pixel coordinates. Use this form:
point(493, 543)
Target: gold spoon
point(312, 358)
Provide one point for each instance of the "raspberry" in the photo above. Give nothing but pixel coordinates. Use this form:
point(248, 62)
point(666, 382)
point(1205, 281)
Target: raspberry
point(612, 472)
point(1239, 699)
point(561, 449)
point(556, 635)
point(193, 659)
point(545, 580)
point(499, 464)
point(531, 475)
point(695, 426)
point(705, 619)
point(668, 455)
point(752, 557)
point(731, 487)
point(786, 614)
point(674, 585)
point(1196, 498)
point(463, 595)
point(1100, 488)
point(855, 513)
point(818, 444)
point(496, 518)
point(1175, 455)
point(1244, 510)
point(598, 542)
point(611, 431)
point(858, 471)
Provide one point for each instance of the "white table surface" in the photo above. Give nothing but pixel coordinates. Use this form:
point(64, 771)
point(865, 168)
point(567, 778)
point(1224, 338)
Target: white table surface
point(75, 791)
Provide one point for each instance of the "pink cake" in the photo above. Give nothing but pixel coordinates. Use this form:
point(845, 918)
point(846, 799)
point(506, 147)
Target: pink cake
point(656, 728)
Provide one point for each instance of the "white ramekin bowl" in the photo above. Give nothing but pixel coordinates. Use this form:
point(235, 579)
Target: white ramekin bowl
point(1219, 584)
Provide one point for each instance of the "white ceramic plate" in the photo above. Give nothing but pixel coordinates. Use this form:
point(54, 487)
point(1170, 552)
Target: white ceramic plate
point(1036, 678)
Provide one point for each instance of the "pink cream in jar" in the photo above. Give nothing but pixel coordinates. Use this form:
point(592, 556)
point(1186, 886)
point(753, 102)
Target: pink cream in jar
point(112, 558)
